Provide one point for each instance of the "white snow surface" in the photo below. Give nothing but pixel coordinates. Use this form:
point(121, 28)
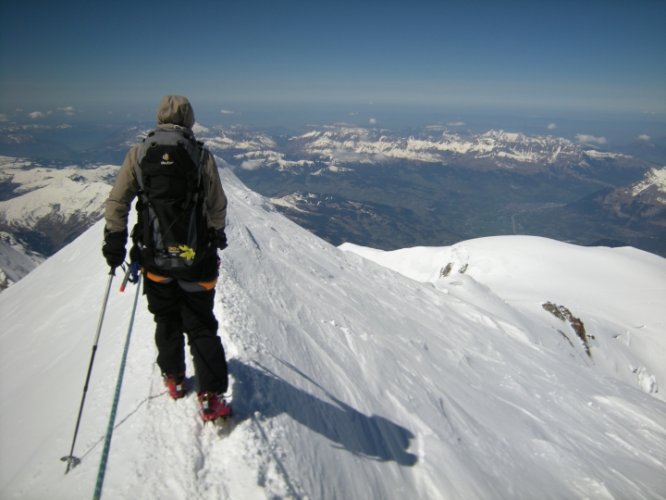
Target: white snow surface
point(618, 293)
point(350, 380)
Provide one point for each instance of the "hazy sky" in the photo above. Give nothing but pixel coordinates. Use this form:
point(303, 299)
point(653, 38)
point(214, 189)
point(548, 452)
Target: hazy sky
point(605, 55)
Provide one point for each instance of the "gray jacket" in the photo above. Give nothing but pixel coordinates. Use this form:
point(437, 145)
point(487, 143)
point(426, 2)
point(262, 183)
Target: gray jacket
point(173, 111)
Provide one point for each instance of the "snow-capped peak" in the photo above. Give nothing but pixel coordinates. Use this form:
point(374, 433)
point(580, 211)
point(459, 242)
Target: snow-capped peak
point(655, 178)
point(58, 192)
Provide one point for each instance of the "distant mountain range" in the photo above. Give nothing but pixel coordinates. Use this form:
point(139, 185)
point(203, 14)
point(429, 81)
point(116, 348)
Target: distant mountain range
point(368, 186)
point(379, 189)
point(341, 145)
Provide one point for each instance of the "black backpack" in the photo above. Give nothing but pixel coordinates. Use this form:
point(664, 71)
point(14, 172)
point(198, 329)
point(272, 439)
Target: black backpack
point(171, 229)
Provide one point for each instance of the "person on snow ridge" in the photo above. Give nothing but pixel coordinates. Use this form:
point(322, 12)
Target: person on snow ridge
point(180, 301)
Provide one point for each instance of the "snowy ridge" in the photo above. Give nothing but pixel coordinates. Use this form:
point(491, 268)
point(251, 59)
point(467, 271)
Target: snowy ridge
point(591, 153)
point(255, 159)
point(234, 139)
point(349, 379)
point(292, 201)
point(49, 192)
point(655, 179)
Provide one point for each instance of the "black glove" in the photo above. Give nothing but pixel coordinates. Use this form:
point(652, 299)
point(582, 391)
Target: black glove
point(114, 248)
point(136, 255)
point(218, 238)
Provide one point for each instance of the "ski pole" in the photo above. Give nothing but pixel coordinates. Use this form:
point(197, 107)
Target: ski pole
point(131, 275)
point(125, 279)
point(114, 407)
point(71, 460)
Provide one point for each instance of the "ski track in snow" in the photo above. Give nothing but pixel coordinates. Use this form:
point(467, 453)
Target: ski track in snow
point(348, 381)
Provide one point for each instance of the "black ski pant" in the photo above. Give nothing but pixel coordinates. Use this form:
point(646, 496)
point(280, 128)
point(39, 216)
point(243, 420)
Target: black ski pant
point(176, 312)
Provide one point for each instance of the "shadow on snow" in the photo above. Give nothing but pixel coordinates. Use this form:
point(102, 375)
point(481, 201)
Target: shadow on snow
point(259, 389)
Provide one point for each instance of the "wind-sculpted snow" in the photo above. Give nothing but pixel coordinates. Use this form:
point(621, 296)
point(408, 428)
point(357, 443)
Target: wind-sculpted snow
point(615, 292)
point(349, 379)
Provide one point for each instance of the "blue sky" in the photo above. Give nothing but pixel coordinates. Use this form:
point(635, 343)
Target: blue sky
point(522, 56)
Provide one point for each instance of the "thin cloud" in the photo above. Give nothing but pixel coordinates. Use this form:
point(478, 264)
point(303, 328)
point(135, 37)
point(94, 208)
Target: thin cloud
point(591, 139)
point(552, 126)
point(68, 110)
point(644, 137)
point(227, 112)
point(372, 121)
point(456, 124)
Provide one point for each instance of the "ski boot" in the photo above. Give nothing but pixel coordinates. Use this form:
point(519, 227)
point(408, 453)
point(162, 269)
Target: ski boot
point(175, 384)
point(213, 406)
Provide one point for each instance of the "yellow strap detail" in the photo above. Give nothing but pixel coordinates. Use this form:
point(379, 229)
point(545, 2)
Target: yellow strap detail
point(186, 252)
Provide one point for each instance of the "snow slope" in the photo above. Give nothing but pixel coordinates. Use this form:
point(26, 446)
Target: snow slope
point(350, 381)
point(618, 293)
